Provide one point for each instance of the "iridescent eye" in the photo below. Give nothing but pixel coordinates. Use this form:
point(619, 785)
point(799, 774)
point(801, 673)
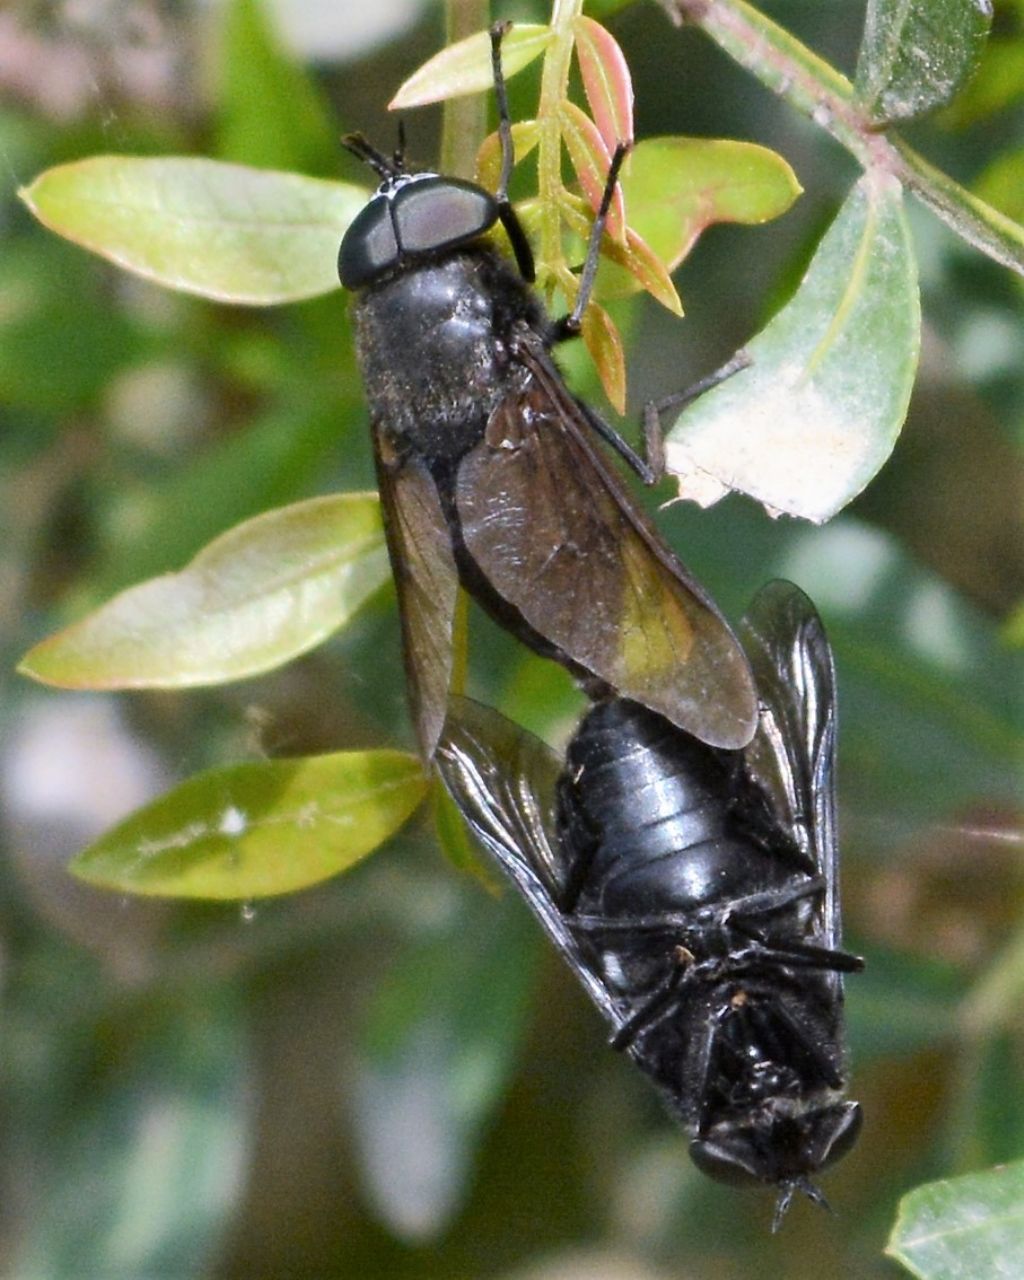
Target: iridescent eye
point(735, 1161)
point(440, 213)
point(368, 246)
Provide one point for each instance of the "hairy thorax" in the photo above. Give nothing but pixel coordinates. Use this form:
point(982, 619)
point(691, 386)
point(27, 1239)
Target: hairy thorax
point(434, 345)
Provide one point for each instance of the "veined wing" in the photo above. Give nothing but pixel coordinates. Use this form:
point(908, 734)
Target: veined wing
point(503, 781)
point(419, 544)
point(558, 537)
point(792, 756)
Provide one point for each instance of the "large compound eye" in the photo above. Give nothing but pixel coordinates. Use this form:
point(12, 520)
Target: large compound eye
point(734, 1160)
point(369, 246)
point(440, 213)
point(833, 1131)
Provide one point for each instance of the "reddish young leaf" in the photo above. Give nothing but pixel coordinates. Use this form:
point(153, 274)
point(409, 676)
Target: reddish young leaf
point(591, 159)
point(606, 81)
point(645, 269)
point(640, 260)
point(603, 341)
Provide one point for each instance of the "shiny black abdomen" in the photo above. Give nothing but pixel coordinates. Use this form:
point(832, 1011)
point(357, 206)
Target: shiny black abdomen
point(434, 346)
point(658, 821)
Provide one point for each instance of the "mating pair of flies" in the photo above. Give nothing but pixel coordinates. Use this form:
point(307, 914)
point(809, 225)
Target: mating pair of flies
point(682, 855)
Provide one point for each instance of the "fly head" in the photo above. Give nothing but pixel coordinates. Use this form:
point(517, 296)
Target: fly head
point(779, 1146)
point(410, 218)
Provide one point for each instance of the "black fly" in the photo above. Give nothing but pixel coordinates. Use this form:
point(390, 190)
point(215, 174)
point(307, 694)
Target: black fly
point(486, 469)
point(695, 893)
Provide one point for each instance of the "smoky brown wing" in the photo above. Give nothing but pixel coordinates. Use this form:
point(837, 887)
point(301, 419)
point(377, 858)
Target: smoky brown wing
point(419, 545)
point(504, 781)
point(558, 537)
point(792, 756)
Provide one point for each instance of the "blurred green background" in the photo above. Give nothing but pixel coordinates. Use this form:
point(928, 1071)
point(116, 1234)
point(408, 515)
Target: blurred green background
point(390, 1075)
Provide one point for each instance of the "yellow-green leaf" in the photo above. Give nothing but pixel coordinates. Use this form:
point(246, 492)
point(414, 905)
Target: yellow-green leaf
point(257, 596)
point(525, 136)
point(465, 67)
point(675, 187)
point(258, 829)
point(223, 231)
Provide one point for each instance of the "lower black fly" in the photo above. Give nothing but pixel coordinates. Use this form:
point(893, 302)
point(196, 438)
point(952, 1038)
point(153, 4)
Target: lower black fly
point(695, 893)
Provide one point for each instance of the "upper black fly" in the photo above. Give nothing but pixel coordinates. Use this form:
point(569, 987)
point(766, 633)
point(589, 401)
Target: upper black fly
point(695, 893)
point(486, 470)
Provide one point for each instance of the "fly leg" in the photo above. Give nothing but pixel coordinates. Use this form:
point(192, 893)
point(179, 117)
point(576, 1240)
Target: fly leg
point(507, 214)
point(660, 999)
point(795, 955)
point(569, 326)
point(654, 436)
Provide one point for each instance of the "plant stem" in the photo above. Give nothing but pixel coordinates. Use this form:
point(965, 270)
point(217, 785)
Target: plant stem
point(818, 91)
point(553, 87)
point(464, 120)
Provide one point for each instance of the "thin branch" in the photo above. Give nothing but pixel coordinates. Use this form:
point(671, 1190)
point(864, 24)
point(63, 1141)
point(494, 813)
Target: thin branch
point(818, 91)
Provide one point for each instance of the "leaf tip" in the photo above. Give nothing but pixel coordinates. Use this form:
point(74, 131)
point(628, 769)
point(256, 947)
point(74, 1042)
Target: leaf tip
point(28, 667)
point(673, 303)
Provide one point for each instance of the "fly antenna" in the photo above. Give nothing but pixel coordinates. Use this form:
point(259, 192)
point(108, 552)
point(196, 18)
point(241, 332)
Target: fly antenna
point(362, 150)
point(786, 1193)
point(509, 219)
point(782, 1204)
point(399, 156)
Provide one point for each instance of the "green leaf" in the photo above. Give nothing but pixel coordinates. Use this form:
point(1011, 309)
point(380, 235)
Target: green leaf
point(257, 596)
point(219, 230)
point(1013, 631)
point(816, 414)
point(465, 67)
point(963, 1228)
point(922, 991)
point(272, 115)
point(995, 1128)
point(676, 187)
point(257, 829)
point(438, 1048)
point(146, 1165)
point(916, 54)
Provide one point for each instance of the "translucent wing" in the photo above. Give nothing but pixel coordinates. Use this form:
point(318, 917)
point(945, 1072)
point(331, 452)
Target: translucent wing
point(426, 580)
point(503, 780)
point(557, 536)
point(792, 755)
